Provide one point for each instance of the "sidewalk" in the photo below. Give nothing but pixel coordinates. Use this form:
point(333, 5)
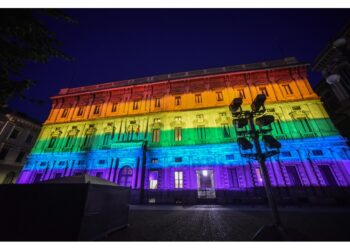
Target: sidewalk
point(228, 223)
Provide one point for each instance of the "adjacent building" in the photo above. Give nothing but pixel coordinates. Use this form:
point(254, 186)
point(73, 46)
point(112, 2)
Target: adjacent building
point(171, 139)
point(18, 134)
point(334, 64)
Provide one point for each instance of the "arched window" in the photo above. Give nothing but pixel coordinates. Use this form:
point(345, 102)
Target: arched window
point(9, 178)
point(125, 176)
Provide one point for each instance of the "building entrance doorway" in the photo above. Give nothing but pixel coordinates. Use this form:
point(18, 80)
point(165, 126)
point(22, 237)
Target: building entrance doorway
point(205, 184)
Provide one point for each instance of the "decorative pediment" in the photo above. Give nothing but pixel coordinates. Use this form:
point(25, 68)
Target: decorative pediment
point(56, 133)
point(133, 127)
point(91, 130)
point(109, 128)
point(199, 122)
point(156, 125)
point(223, 120)
point(177, 124)
point(73, 132)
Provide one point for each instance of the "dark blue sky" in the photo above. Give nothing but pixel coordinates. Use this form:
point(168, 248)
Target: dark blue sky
point(116, 44)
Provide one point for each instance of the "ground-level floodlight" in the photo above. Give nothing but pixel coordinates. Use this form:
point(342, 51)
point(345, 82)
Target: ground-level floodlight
point(271, 142)
point(244, 143)
point(235, 104)
point(264, 120)
point(241, 122)
point(258, 102)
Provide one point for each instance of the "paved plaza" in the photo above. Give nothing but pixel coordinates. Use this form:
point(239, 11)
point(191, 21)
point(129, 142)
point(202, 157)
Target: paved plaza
point(228, 223)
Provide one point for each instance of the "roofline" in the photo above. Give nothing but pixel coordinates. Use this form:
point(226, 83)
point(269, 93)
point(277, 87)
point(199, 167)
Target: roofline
point(239, 69)
point(329, 46)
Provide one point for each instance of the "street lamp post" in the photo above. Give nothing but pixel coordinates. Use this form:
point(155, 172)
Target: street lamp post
point(241, 120)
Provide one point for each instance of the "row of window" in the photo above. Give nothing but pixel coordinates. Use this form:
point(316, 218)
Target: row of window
point(197, 98)
point(4, 152)
point(15, 133)
point(315, 152)
point(201, 131)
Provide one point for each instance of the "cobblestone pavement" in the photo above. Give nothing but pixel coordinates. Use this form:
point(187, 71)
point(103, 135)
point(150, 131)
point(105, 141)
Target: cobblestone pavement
point(228, 223)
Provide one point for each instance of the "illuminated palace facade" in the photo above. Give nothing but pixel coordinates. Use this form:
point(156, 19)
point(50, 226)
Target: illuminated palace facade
point(171, 139)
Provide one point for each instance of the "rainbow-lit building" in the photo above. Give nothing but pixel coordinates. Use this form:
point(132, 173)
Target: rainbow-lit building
point(170, 137)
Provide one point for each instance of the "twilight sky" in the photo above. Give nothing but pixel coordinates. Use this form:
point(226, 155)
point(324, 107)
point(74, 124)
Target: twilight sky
point(119, 44)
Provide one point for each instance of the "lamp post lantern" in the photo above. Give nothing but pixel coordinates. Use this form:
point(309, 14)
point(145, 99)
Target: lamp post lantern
point(240, 120)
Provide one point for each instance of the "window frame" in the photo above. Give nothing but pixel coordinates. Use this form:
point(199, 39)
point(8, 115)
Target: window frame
point(178, 134)
point(219, 96)
point(156, 135)
point(178, 177)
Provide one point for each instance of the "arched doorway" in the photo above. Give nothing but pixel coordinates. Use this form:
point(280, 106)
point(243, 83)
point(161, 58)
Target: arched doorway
point(125, 176)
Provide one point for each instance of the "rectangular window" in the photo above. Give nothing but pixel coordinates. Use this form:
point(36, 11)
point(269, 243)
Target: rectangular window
point(156, 135)
point(14, 134)
point(29, 139)
point(64, 113)
point(286, 154)
point(263, 90)
point(226, 131)
point(327, 175)
point(114, 107)
point(241, 93)
point(20, 157)
point(69, 141)
point(153, 180)
point(219, 96)
point(157, 103)
point(296, 108)
point(97, 109)
point(287, 89)
point(293, 176)
point(52, 142)
point(80, 111)
point(317, 152)
point(87, 140)
point(201, 132)
point(3, 153)
point(107, 138)
point(178, 159)
point(178, 179)
point(101, 162)
point(178, 134)
point(303, 125)
point(135, 106)
point(177, 100)
point(154, 160)
point(234, 178)
point(198, 98)
point(230, 157)
point(277, 127)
